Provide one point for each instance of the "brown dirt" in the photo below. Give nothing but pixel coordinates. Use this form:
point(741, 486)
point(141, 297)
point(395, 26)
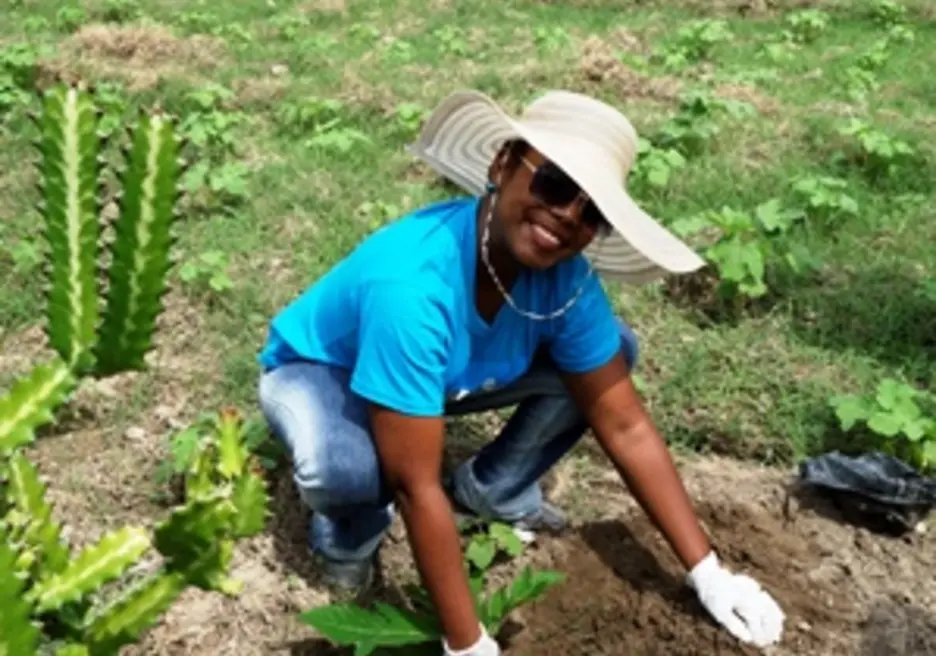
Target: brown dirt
point(140, 54)
point(844, 590)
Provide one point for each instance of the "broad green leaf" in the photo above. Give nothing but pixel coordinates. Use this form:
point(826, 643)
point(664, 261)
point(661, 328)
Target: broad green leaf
point(850, 410)
point(27, 494)
point(251, 500)
point(69, 169)
point(31, 403)
point(141, 248)
point(18, 635)
point(136, 610)
point(884, 423)
point(385, 625)
point(92, 568)
point(929, 454)
point(507, 539)
point(481, 551)
point(889, 392)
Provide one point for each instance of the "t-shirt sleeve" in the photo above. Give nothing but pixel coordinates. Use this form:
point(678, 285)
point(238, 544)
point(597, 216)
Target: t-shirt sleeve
point(588, 335)
point(403, 344)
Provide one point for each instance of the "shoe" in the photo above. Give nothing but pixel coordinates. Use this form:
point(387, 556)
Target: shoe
point(345, 578)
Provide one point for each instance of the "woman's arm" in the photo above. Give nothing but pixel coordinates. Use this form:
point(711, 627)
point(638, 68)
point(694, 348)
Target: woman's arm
point(627, 435)
point(410, 451)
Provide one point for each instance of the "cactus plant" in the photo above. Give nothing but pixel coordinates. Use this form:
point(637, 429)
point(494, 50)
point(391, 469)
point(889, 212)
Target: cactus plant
point(53, 600)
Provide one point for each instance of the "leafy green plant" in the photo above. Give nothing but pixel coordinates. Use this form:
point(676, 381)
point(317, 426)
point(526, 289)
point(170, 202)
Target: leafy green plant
point(887, 12)
point(69, 18)
point(824, 195)
point(895, 414)
point(208, 268)
point(326, 120)
point(655, 166)
point(18, 70)
point(693, 126)
point(217, 181)
point(741, 244)
point(874, 150)
point(390, 626)
point(57, 600)
point(806, 25)
point(695, 42)
point(120, 11)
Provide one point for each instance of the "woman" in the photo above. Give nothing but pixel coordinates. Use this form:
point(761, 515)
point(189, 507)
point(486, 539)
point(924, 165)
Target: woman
point(477, 303)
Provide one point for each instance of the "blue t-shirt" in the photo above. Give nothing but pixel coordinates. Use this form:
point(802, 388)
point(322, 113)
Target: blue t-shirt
point(399, 313)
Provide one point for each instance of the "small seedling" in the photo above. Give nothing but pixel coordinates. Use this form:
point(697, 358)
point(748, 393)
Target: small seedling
point(390, 626)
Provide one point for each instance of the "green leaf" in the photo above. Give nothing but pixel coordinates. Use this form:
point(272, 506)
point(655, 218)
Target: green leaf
point(506, 539)
point(18, 635)
point(251, 500)
point(890, 392)
point(31, 403)
point(850, 410)
point(527, 587)
point(481, 551)
point(72, 650)
point(141, 248)
point(69, 170)
point(884, 423)
point(137, 609)
point(387, 626)
point(94, 566)
point(27, 494)
point(929, 454)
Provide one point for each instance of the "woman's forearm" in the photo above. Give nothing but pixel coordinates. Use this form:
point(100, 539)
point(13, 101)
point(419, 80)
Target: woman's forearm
point(644, 462)
point(436, 548)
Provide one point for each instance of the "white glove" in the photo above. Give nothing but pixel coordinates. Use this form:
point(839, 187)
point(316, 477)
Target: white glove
point(737, 602)
point(485, 646)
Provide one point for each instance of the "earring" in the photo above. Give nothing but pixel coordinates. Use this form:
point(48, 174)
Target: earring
point(491, 187)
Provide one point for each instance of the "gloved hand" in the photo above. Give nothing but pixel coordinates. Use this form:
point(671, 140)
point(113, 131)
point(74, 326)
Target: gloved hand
point(737, 602)
point(485, 646)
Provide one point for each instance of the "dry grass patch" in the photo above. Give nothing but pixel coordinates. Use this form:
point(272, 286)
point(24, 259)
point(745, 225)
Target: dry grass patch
point(139, 54)
point(600, 64)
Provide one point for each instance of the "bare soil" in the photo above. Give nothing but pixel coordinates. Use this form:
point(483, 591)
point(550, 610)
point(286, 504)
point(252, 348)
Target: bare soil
point(844, 589)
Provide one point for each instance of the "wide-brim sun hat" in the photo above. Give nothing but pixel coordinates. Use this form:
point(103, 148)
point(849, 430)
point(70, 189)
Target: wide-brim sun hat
point(590, 140)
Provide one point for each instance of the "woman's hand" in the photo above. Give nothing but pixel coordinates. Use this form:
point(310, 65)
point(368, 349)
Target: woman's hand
point(737, 602)
point(410, 453)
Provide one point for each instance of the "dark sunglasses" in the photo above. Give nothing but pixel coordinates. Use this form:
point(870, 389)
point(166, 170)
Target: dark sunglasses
point(551, 186)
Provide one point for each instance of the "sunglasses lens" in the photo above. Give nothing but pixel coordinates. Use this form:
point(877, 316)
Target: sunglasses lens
point(592, 216)
point(552, 186)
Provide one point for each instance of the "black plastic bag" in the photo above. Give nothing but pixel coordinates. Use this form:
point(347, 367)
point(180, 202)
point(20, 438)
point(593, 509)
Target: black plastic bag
point(875, 487)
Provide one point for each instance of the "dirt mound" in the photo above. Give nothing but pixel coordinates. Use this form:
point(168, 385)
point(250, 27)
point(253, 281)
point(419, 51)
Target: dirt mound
point(137, 53)
point(844, 590)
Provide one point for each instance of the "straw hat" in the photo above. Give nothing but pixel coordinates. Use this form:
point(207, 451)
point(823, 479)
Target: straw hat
point(590, 140)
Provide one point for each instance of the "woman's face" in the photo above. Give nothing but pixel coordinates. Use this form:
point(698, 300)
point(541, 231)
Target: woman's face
point(543, 216)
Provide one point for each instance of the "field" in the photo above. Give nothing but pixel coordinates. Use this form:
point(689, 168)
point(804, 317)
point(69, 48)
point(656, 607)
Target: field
point(793, 143)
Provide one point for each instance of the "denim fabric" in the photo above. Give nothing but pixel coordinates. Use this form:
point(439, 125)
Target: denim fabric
point(325, 429)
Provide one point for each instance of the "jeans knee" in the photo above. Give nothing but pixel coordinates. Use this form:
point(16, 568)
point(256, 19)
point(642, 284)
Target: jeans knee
point(629, 344)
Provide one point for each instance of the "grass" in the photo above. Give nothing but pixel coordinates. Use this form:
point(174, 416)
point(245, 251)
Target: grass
point(287, 205)
point(757, 386)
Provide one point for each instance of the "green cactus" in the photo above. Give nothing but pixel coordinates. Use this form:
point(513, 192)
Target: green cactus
point(53, 600)
point(69, 177)
point(137, 275)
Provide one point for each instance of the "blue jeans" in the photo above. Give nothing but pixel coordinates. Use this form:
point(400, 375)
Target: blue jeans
point(325, 428)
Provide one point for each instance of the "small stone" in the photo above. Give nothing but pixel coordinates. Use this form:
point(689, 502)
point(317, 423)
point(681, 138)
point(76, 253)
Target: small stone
point(279, 69)
point(804, 626)
point(135, 433)
point(920, 528)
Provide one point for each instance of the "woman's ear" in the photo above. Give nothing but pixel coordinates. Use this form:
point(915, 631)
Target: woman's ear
point(498, 164)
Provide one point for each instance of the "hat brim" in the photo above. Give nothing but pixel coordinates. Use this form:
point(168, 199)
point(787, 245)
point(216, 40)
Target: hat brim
point(460, 139)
